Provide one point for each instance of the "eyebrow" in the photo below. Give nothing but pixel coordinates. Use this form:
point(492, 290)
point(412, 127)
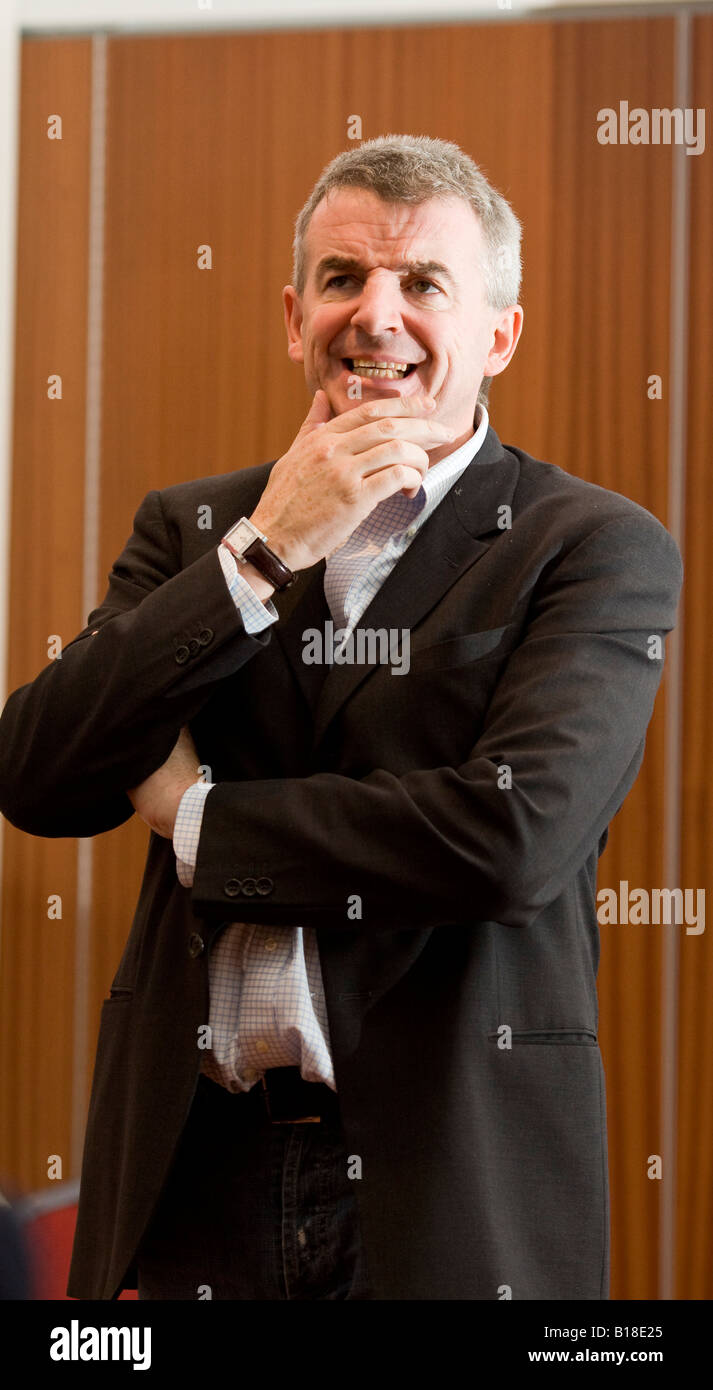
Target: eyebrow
point(418, 268)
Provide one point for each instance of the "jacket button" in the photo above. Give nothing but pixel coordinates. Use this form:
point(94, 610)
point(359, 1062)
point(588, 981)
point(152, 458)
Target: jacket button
point(196, 944)
point(181, 654)
point(249, 886)
point(264, 886)
point(194, 646)
point(205, 636)
point(232, 888)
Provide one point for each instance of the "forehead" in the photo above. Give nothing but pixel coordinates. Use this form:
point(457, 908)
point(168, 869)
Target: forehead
point(357, 222)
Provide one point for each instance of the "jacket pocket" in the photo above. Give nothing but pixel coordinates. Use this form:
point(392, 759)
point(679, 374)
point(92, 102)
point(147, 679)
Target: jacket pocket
point(571, 1037)
point(459, 651)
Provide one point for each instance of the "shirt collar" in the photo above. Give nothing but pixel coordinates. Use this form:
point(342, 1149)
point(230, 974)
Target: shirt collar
point(398, 514)
point(441, 476)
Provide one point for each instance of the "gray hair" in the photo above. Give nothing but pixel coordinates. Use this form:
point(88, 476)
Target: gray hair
point(412, 169)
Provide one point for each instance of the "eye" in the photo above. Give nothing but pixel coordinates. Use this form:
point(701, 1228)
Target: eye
point(333, 278)
point(425, 282)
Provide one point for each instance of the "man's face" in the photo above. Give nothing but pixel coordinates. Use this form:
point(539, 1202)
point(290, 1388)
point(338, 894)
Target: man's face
point(388, 282)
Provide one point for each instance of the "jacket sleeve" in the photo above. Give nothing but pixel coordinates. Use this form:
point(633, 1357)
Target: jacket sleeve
point(568, 718)
point(107, 713)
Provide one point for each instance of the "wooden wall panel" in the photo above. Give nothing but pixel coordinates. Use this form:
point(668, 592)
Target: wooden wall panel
point(212, 141)
point(695, 1113)
point(37, 983)
point(608, 270)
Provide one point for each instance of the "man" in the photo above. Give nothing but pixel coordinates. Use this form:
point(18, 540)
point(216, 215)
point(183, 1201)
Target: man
point(351, 1046)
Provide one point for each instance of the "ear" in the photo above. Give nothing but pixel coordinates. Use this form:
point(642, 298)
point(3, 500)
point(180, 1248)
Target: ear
point(293, 323)
point(505, 337)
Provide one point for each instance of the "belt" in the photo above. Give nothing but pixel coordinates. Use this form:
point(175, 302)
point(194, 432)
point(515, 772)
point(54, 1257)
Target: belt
point(289, 1100)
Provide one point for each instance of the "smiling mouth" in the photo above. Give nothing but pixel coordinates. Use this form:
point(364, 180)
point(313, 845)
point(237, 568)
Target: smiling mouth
point(392, 371)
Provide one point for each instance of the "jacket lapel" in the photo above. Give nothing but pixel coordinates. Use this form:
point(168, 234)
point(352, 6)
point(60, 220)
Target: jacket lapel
point(446, 546)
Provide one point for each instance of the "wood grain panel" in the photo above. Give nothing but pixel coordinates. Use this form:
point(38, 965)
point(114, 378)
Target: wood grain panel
point(217, 140)
point(695, 1112)
point(608, 268)
point(37, 983)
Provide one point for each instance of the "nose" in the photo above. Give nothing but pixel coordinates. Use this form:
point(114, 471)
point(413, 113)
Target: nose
point(379, 307)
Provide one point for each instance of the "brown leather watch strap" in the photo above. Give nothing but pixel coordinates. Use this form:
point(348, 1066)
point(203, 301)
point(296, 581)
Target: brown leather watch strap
point(269, 565)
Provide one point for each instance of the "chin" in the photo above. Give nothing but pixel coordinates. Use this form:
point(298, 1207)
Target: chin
point(339, 403)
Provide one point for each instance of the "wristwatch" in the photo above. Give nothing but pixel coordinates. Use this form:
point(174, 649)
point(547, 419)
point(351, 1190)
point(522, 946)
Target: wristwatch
point(247, 544)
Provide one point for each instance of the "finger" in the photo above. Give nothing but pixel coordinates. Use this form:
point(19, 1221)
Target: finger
point(427, 434)
point(366, 411)
point(386, 481)
point(416, 458)
point(319, 413)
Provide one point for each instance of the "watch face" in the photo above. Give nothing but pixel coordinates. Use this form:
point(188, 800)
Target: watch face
point(242, 535)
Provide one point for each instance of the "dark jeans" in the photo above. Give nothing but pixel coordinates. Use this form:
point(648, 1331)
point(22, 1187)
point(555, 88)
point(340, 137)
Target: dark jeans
point(254, 1210)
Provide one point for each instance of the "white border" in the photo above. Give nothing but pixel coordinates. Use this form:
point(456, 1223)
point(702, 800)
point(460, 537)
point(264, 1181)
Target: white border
point(132, 15)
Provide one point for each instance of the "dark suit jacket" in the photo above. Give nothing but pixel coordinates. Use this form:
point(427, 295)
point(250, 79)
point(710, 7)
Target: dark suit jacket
point(483, 1165)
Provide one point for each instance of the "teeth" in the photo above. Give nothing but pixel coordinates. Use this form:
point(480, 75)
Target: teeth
point(364, 367)
point(378, 371)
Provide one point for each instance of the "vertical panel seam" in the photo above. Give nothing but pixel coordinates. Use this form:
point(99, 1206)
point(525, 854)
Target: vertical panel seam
point(678, 354)
point(90, 557)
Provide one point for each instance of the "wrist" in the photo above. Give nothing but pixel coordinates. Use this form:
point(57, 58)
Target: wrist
point(169, 810)
point(257, 581)
point(290, 552)
point(249, 546)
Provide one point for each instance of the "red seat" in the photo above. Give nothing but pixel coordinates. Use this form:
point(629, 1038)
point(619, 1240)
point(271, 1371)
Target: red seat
point(47, 1219)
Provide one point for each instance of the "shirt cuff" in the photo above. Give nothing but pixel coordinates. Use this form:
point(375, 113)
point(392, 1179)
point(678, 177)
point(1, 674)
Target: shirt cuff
point(187, 830)
point(255, 614)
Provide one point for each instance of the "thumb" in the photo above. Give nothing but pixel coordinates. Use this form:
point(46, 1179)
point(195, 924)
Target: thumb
point(185, 742)
point(319, 412)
